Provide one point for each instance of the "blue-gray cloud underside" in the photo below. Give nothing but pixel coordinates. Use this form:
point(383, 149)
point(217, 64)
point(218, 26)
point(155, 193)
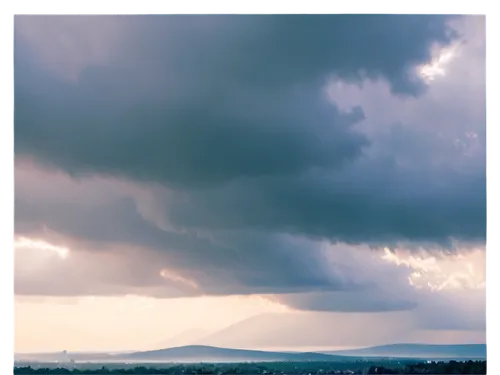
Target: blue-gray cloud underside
point(229, 114)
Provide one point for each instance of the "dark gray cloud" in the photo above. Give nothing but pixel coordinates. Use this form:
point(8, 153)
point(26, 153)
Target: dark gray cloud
point(241, 164)
point(247, 263)
point(117, 250)
point(109, 218)
point(237, 105)
point(373, 201)
point(371, 301)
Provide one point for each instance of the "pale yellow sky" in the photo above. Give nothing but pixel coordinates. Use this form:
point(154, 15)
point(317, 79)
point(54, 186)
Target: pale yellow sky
point(142, 323)
point(121, 323)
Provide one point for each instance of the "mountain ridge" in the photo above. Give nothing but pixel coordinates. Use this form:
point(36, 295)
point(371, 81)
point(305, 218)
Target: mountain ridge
point(417, 350)
point(205, 353)
point(201, 353)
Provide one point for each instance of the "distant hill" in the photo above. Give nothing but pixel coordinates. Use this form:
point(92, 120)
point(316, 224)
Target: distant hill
point(189, 337)
point(203, 353)
point(466, 351)
point(200, 353)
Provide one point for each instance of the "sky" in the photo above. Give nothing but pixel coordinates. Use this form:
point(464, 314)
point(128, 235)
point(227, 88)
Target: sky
point(275, 182)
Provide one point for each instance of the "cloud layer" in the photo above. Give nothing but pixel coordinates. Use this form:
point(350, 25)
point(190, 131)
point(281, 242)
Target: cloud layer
point(276, 155)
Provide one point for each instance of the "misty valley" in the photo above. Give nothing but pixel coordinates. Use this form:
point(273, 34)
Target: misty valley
point(206, 360)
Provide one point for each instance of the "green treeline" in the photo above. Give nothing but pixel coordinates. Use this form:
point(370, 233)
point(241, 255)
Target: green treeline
point(275, 368)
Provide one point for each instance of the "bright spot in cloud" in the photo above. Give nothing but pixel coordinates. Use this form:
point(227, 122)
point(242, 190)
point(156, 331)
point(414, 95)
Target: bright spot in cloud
point(442, 271)
point(175, 277)
point(27, 243)
point(437, 67)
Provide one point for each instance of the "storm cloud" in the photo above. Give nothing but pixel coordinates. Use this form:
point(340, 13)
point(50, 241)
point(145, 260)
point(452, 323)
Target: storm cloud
point(212, 149)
